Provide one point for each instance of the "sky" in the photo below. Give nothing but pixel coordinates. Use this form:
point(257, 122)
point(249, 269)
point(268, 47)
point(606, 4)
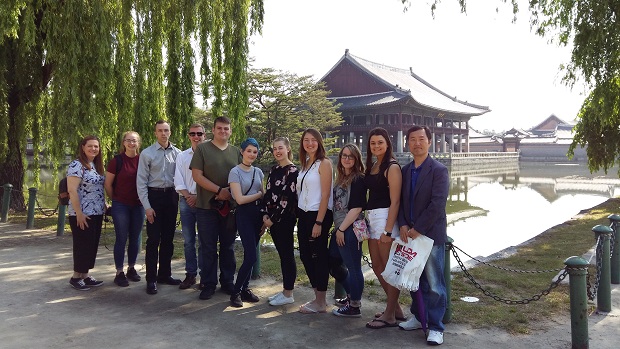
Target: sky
point(480, 57)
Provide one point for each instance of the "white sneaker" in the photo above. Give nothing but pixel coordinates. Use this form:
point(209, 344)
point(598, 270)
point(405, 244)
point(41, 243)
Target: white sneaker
point(434, 338)
point(281, 300)
point(410, 325)
point(274, 296)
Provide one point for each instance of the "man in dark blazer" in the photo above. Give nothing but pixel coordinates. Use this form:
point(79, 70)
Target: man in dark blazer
point(423, 212)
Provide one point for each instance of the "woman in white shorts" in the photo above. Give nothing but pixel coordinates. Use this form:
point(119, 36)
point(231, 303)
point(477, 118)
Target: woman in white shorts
point(383, 179)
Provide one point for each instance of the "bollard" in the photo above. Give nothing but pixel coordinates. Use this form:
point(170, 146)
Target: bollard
point(577, 268)
point(339, 291)
point(6, 202)
point(32, 200)
point(603, 295)
point(615, 257)
point(60, 227)
point(447, 317)
point(256, 266)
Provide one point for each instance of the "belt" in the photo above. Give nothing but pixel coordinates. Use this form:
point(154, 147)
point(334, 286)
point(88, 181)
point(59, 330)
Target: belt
point(162, 189)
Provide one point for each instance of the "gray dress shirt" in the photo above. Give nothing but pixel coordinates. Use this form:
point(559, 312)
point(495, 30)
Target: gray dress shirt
point(155, 170)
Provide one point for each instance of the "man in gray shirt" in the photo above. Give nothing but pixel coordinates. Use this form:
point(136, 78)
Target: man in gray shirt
point(155, 182)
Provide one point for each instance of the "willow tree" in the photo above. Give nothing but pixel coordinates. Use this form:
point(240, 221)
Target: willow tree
point(72, 68)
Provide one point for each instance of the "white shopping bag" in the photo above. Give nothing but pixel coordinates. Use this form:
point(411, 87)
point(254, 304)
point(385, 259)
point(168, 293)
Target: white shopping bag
point(406, 262)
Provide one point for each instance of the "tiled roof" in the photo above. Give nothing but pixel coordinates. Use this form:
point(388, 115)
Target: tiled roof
point(371, 100)
point(407, 82)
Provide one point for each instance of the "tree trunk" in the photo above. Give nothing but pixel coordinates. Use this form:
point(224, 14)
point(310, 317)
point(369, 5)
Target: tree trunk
point(12, 165)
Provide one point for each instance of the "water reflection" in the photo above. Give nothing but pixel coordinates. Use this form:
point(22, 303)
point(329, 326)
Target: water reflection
point(488, 213)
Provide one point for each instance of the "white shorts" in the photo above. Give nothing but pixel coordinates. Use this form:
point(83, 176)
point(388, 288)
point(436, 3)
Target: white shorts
point(377, 219)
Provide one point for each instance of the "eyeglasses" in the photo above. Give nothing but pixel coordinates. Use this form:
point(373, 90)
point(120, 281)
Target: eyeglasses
point(347, 157)
point(131, 140)
point(194, 134)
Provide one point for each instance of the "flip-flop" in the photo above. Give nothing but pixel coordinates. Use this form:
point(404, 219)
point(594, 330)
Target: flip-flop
point(383, 322)
point(305, 309)
point(397, 318)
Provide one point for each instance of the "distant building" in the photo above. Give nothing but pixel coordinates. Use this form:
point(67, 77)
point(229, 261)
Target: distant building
point(547, 141)
point(372, 94)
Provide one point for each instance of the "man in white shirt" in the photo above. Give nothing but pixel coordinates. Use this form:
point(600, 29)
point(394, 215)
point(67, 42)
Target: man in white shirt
point(186, 187)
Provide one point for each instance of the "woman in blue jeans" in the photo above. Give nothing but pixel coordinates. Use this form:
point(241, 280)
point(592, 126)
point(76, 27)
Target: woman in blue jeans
point(349, 204)
point(246, 186)
point(127, 210)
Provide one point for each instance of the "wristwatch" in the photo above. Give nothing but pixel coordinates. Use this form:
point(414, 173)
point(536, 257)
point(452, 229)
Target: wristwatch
point(387, 233)
point(319, 223)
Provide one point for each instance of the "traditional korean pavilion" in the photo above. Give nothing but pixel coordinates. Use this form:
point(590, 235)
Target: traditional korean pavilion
point(372, 94)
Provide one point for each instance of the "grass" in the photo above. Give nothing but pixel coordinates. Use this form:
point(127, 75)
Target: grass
point(546, 251)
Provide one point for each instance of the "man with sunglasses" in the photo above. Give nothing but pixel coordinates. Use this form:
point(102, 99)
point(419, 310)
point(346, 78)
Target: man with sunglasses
point(186, 187)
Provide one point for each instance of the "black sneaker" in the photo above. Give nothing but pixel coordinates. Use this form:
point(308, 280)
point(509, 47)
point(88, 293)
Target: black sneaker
point(78, 284)
point(235, 300)
point(92, 282)
point(341, 302)
point(228, 289)
point(121, 280)
point(347, 311)
point(206, 293)
point(133, 275)
point(249, 296)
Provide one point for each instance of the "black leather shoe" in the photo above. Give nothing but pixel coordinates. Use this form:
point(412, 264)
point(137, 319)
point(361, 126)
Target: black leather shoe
point(228, 289)
point(188, 282)
point(206, 293)
point(248, 296)
point(151, 287)
point(169, 281)
point(235, 300)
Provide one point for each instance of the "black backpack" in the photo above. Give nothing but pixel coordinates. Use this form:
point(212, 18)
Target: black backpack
point(63, 190)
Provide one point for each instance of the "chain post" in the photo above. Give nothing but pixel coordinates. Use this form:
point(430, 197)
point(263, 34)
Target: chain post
point(603, 297)
point(256, 267)
point(615, 257)
point(62, 215)
point(32, 199)
point(447, 316)
point(577, 268)
point(6, 202)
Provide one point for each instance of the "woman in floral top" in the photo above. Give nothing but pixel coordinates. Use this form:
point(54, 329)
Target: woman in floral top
point(279, 215)
point(86, 208)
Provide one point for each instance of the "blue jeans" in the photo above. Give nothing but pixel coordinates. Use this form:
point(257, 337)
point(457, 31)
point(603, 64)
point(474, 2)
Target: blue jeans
point(211, 229)
point(433, 287)
point(188, 225)
point(249, 222)
point(128, 221)
point(351, 254)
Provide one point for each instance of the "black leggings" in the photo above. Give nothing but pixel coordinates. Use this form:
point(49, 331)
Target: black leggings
point(282, 236)
point(313, 252)
point(85, 243)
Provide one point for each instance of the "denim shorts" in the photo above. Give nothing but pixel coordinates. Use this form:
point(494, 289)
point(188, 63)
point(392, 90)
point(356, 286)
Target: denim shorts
point(377, 218)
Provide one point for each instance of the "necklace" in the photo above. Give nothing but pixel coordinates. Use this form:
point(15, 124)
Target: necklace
point(245, 164)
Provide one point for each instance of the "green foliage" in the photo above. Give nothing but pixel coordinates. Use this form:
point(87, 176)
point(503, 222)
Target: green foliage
point(72, 68)
point(284, 104)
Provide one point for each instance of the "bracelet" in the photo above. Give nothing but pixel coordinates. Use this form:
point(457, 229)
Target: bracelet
point(340, 230)
point(218, 191)
point(388, 234)
point(319, 223)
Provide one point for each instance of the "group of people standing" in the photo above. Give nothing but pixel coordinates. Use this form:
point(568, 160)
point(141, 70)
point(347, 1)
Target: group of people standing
point(220, 192)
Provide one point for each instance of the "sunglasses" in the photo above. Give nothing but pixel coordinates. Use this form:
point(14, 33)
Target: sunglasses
point(194, 134)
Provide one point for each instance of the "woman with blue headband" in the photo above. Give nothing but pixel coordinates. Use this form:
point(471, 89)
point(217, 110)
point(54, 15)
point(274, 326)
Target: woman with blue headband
point(246, 185)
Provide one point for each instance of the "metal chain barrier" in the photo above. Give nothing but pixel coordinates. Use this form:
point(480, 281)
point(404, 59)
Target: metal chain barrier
point(500, 299)
point(592, 289)
point(507, 269)
point(612, 239)
point(50, 213)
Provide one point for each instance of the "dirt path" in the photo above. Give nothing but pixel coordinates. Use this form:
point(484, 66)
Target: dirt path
point(38, 309)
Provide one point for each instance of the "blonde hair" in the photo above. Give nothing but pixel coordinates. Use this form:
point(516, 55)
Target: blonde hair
point(122, 148)
point(287, 144)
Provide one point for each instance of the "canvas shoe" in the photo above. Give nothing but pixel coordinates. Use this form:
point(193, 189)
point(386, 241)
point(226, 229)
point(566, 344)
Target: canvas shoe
point(410, 325)
point(341, 302)
point(92, 282)
point(434, 338)
point(281, 299)
point(347, 311)
point(78, 284)
point(274, 296)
